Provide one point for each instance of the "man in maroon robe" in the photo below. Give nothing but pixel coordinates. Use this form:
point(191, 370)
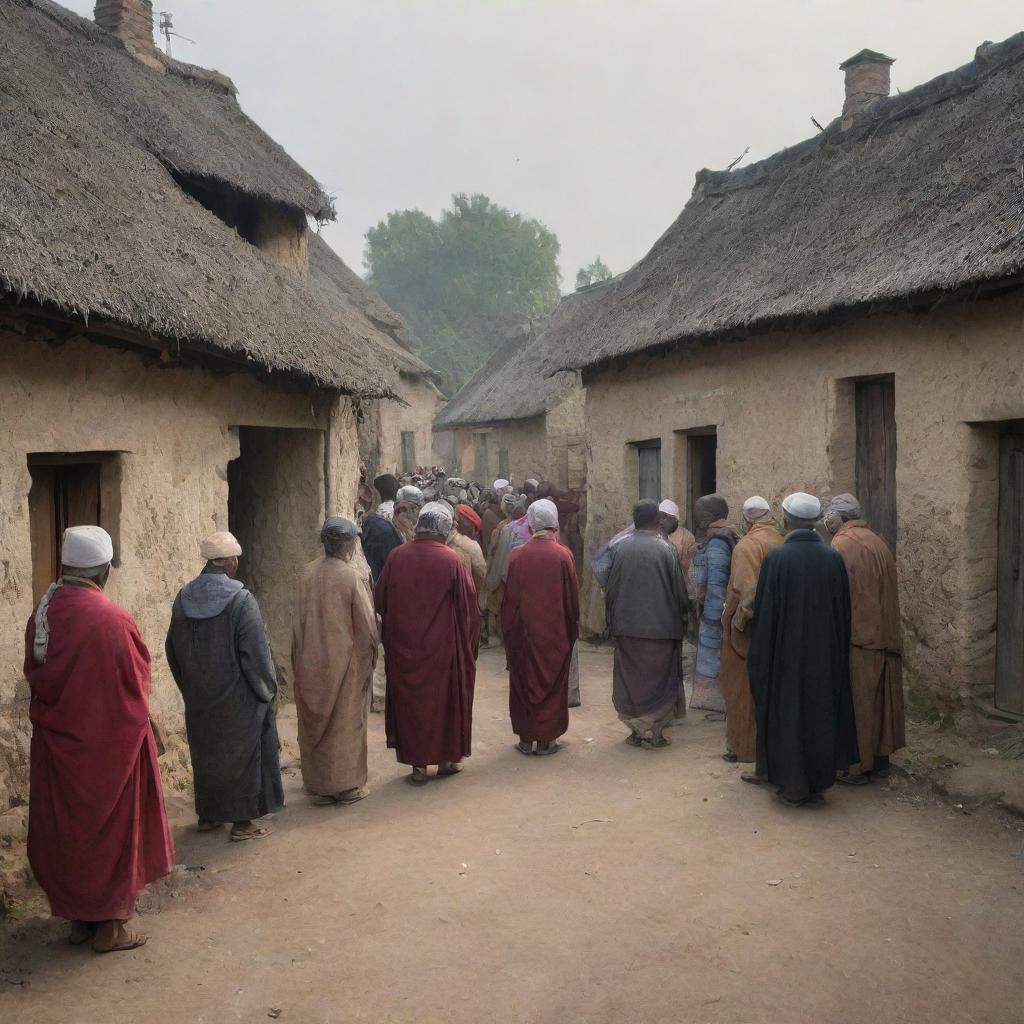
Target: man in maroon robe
point(540, 615)
point(97, 832)
point(431, 631)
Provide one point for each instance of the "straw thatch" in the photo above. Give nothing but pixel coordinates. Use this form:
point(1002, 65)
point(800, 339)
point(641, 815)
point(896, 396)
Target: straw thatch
point(524, 377)
point(921, 197)
point(93, 224)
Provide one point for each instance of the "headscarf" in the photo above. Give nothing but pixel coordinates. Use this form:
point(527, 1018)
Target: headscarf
point(542, 515)
point(435, 518)
point(220, 545)
point(508, 503)
point(801, 505)
point(468, 513)
point(847, 506)
point(411, 495)
point(756, 509)
point(336, 533)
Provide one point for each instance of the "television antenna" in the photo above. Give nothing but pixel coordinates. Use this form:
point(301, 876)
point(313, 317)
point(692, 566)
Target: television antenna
point(166, 29)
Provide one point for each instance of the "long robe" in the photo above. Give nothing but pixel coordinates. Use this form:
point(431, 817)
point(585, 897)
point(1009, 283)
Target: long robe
point(646, 606)
point(876, 641)
point(540, 617)
point(799, 666)
point(379, 538)
point(334, 648)
point(747, 556)
point(431, 632)
point(97, 831)
point(218, 654)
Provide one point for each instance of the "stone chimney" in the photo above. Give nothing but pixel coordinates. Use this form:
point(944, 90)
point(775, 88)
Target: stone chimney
point(867, 81)
point(132, 22)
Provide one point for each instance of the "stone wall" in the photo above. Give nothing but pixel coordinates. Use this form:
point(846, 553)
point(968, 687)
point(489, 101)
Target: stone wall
point(783, 408)
point(175, 431)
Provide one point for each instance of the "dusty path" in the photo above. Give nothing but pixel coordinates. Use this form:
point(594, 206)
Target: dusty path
point(606, 884)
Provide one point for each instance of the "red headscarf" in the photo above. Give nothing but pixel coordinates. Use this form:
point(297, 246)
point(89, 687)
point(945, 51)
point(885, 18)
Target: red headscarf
point(470, 517)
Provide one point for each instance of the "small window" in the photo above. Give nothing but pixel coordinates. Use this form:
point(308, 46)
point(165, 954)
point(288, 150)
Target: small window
point(408, 451)
point(503, 463)
point(649, 469)
point(69, 490)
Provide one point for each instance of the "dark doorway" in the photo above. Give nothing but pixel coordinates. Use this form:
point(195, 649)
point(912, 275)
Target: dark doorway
point(1010, 581)
point(649, 470)
point(408, 451)
point(875, 403)
point(481, 458)
point(276, 509)
point(702, 466)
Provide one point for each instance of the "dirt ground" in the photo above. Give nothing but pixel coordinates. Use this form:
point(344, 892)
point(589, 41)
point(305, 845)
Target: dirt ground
point(605, 884)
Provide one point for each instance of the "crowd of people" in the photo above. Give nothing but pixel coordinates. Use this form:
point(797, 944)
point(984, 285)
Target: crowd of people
point(797, 636)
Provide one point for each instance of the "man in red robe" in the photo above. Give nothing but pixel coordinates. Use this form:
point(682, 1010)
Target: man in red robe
point(540, 615)
point(97, 833)
point(431, 631)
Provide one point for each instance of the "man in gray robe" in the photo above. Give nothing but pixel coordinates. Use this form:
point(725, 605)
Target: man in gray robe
point(217, 651)
point(646, 607)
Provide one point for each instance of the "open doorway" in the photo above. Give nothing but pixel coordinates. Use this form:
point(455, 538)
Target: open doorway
point(875, 472)
point(1009, 694)
point(701, 466)
point(276, 509)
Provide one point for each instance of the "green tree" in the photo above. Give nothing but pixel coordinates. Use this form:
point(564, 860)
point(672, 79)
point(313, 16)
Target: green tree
point(466, 281)
point(595, 273)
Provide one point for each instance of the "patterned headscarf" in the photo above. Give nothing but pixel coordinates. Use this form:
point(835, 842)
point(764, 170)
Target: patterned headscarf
point(435, 518)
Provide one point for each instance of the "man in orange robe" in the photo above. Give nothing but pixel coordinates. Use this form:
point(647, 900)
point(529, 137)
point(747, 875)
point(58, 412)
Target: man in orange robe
point(761, 536)
point(540, 615)
point(876, 641)
point(97, 833)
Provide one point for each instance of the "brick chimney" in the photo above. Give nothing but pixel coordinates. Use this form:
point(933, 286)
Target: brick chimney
point(867, 81)
point(132, 22)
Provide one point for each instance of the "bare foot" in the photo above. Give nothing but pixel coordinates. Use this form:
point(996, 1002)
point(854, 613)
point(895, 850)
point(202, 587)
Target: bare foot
point(116, 937)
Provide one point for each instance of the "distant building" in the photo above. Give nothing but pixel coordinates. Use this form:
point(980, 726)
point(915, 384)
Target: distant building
point(846, 316)
point(168, 365)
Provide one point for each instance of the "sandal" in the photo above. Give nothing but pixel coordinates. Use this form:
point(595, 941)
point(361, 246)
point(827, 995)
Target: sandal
point(524, 748)
point(730, 757)
point(322, 800)
point(852, 779)
point(352, 796)
point(551, 748)
point(633, 740)
point(126, 940)
point(715, 716)
point(658, 744)
point(81, 932)
point(418, 777)
point(754, 778)
point(254, 832)
point(451, 768)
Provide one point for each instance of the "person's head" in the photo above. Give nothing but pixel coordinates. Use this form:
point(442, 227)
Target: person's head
point(645, 515)
point(709, 509)
point(467, 521)
point(530, 488)
point(801, 511)
point(386, 486)
point(338, 536)
point(86, 554)
point(222, 551)
point(521, 505)
point(408, 499)
point(542, 515)
point(435, 520)
point(843, 508)
point(756, 510)
point(508, 503)
point(501, 487)
point(668, 517)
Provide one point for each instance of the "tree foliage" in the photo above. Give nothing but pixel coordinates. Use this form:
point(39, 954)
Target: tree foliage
point(466, 281)
point(595, 273)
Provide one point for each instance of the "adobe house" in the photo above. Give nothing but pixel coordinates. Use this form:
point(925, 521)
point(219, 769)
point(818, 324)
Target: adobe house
point(847, 315)
point(168, 367)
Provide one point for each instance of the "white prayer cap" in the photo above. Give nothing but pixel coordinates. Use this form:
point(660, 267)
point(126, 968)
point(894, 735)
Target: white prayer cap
point(411, 494)
point(86, 547)
point(220, 545)
point(755, 508)
point(669, 507)
point(534, 483)
point(542, 515)
point(435, 517)
point(501, 485)
point(802, 506)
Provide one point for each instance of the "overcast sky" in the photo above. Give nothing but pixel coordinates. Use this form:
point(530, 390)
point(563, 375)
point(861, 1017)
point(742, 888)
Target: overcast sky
point(591, 115)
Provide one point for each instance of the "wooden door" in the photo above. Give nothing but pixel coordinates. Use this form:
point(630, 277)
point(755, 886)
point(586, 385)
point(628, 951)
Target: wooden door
point(876, 453)
point(1010, 583)
point(650, 471)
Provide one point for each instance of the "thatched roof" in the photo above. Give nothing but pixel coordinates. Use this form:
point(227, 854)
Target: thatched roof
point(93, 224)
point(922, 196)
point(345, 287)
point(524, 377)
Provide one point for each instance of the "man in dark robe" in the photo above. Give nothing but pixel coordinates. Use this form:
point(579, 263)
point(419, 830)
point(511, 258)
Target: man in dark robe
point(431, 631)
point(540, 623)
point(646, 607)
point(97, 833)
point(218, 654)
point(380, 535)
point(799, 662)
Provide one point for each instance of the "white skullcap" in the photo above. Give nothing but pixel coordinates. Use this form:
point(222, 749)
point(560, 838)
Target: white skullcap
point(669, 507)
point(86, 547)
point(410, 493)
point(220, 545)
point(802, 506)
point(501, 485)
point(542, 515)
point(535, 483)
point(435, 517)
point(755, 508)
